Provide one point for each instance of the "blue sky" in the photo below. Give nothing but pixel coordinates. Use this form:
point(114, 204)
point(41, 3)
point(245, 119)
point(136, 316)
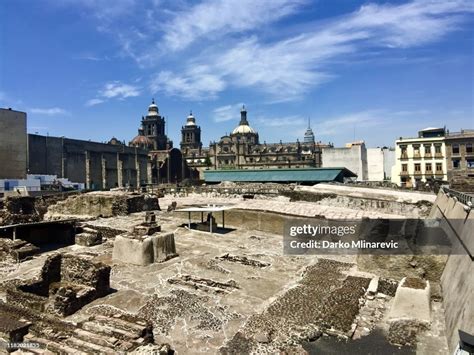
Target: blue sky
point(371, 70)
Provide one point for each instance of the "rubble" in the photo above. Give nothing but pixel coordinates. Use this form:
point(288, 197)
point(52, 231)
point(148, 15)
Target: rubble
point(243, 260)
point(204, 284)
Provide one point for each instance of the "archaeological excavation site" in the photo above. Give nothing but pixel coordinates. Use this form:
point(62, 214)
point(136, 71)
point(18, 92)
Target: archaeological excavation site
point(205, 270)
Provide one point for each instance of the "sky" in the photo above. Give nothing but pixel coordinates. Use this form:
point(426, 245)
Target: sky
point(359, 70)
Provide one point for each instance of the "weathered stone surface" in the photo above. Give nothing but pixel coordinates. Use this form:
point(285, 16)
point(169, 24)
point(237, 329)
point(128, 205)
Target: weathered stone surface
point(103, 204)
point(412, 301)
point(144, 250)
point(137, 251)
point(66, 284)
point(89, 238)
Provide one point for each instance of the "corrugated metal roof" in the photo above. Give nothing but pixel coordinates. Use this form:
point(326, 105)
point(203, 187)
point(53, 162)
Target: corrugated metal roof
point(278, 175)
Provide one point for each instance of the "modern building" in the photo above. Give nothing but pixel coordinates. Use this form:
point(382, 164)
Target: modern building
point(13, 144)
point(353, 157)
point(420, 159)
point(242, 149)
point(379, 163)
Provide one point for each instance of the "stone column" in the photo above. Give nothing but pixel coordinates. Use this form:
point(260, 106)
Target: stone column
point(104, 172)
point(149, 177)
point(88, 170)
point(168, 168)
point(137, 168)
point(119, 171)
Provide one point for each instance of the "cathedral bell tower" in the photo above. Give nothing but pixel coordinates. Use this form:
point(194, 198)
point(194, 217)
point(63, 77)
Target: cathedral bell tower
point(190, 135)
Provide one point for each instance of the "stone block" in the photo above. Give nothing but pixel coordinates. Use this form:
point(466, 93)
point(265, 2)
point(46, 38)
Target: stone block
point(88, 239)
point(164, 247)
point(137, 251)
point(144, 250)
point(412, 300)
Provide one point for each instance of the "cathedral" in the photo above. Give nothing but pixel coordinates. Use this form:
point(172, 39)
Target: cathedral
point(242, 149)
point(166, 164)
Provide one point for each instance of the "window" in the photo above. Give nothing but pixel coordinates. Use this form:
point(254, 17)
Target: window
point(455, 148)
point(416, 150)
point(405, 168)
point(404, 151)
point(417, 168)
point(428, 167)
point(427, 149)
point(439, 167)
point(469, 148)
point(437, 149)
point(470, 163)
point(456, 163)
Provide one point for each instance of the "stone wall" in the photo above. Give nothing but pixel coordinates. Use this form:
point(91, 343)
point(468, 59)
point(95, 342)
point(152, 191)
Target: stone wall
point(418, 209)
point(66, 284)
point(457, 281)
point(103, 204)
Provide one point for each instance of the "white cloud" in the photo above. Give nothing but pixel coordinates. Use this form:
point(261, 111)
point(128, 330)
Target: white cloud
point(118, 90)
point(53, 111)
point(217, 18)
point(114, 90)
point(93, 102)
point(197, 83)
point(226, 113)
point(347, 122)
point(287, 69)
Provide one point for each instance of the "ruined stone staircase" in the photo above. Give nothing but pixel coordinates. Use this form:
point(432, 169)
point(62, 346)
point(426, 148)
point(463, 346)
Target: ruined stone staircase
point(98, 335)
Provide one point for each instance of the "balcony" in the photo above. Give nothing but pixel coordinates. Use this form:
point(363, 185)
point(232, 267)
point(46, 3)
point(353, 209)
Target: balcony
point(404, 156)
point(418, 173)
point(417, 156)
point(429, 172)
point(439, 155)
point(427, 156)
point(404, 173)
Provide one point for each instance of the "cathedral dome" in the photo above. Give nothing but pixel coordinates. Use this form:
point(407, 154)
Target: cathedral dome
point(243, 129)
point(141, 142)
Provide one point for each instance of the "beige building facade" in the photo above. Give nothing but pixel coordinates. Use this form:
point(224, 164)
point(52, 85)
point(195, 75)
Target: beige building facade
point(420, 159)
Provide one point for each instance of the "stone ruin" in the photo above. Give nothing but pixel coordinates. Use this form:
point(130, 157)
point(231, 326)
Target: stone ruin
point(65, 285)
point(103, 204)
point(87, 236)
point(35, 308)
point(145, 245)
